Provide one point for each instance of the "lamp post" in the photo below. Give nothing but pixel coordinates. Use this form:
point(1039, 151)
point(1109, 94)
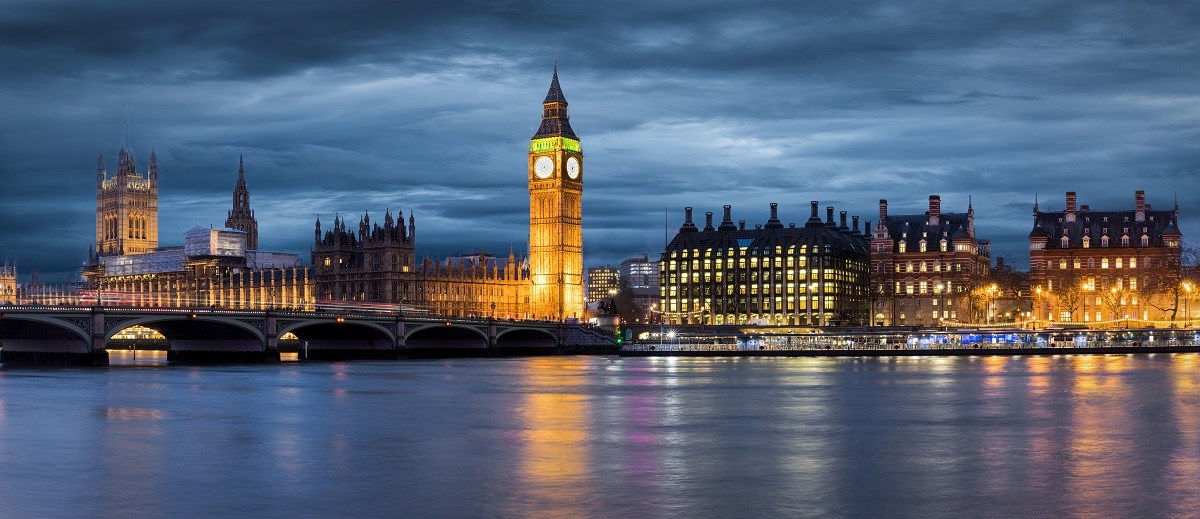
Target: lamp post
point(1037, 304)
point(991, 300)
point(653, 307)
point(1187, 297)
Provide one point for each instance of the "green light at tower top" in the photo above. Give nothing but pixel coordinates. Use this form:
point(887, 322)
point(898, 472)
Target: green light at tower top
point(554, 143)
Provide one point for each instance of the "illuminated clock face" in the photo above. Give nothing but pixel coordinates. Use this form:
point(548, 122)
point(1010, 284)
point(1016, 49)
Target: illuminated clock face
point(543, 167)
point(573, 168)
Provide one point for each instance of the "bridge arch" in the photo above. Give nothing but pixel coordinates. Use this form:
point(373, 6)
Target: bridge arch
point(36, 333)
point(185, 327)
point(445, 336)
point(328, 339)
point(299, 328)
point(526, 338)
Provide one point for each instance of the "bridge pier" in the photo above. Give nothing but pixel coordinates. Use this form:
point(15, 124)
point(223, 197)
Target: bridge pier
point(493, 346)
point(271, 351)
point(398, 331)
point(98, 354)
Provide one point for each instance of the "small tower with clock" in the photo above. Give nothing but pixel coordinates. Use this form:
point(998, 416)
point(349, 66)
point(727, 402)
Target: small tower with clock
point(555, 213)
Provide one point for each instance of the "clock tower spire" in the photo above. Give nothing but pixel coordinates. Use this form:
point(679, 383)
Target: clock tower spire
point(555, 213)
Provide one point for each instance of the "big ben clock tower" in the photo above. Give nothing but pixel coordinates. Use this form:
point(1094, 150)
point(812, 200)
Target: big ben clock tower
point(555, 213)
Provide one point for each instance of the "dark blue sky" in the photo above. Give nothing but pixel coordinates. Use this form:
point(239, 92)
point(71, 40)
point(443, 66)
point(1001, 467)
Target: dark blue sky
point(429, 107)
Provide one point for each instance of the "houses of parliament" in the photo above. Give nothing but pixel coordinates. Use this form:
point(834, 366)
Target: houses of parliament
point(378, 263)
point(371, 262)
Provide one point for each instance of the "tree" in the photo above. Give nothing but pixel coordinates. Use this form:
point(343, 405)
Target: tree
point(624, 303)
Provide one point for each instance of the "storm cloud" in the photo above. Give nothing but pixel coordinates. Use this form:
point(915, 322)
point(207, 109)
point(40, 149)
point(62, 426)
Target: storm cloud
point(341, 108)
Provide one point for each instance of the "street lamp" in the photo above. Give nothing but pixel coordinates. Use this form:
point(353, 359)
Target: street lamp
point(1037, 304)
point(1187, 315)
point(991, 291)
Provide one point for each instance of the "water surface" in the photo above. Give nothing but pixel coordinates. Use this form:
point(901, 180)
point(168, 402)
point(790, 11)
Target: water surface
point(1082, 436)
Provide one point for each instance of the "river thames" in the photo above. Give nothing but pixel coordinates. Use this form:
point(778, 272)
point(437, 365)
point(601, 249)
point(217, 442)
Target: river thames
point(1076, 436)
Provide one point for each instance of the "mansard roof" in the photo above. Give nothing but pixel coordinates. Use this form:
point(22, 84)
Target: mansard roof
point(814, 235)
point(911, 228)
point(1054, 225)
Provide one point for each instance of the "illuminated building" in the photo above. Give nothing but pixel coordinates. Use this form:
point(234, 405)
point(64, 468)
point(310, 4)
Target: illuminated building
point(641, 275)
point(815, 274)
point(378, 264)
point(241, 217)
point(8, 284)
point(603, 282)
point(126, 207)
point(475, 285)
point(1105, 266)
point(928, 269)
point(555, 213)
point(214, 267)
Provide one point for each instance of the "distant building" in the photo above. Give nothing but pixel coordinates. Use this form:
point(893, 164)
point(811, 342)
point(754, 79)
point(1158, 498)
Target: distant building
point(378, 262)
point(814, 275)
point(214, 267)
point(1105, 267)
point(929, 269)
point(603, 282)
point(8, 284)
point(241, 217)
point(126, 207)
point(641, 275)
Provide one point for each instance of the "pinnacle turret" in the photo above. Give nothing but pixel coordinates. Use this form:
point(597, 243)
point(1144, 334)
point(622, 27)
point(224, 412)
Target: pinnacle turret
point(555, 122)
point(241, 217)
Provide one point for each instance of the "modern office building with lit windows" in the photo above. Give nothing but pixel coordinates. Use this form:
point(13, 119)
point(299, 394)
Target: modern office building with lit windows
point(602, 282)
point(771, 275)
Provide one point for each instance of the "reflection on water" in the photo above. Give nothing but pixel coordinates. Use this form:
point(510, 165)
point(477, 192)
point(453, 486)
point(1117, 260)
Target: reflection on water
point(137, 358)
point(554, 441)
point(1082, 436)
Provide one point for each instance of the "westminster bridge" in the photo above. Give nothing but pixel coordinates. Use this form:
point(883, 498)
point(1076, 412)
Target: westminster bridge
point(59, 335)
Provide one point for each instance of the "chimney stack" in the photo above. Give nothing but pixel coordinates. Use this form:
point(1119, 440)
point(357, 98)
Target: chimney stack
point(855, 220)
point(813, 210)
point(708, 221)
point(882, 210)
point(1071, 201)
point(741, 225)
point(842, 214)
point(935, 205)
point(688, 226)
point(727, 220)
point(774, 222)
point(829, 215)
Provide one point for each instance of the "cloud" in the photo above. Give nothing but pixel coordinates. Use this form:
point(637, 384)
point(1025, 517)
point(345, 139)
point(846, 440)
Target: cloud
point(428, 107)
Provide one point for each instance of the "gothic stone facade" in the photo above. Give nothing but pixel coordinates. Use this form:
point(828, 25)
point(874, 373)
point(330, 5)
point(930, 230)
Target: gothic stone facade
point(379, 263)
point(126, 207)
point(127, 234)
